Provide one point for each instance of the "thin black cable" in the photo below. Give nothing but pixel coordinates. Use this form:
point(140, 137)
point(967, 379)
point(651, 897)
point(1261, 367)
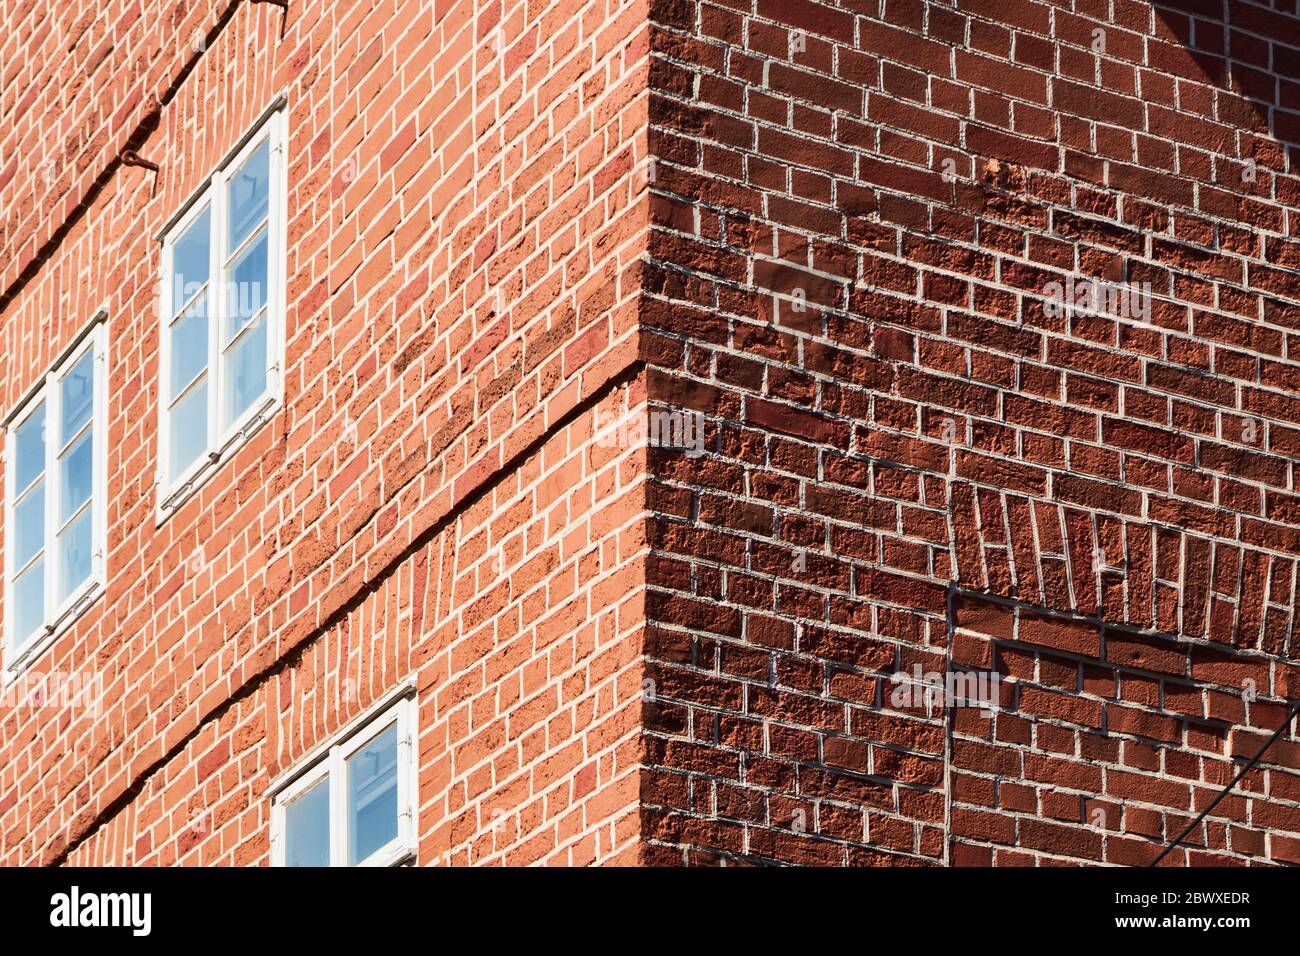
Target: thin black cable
point(1224, 792)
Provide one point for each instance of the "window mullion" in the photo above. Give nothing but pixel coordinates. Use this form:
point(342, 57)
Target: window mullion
point(338, 810)
point(277, 264)
point(278, 836)
point(167, 285)
point(216, 309)
point(99, 457)
point(406, 804)
point(53, 491)
point(11, 608)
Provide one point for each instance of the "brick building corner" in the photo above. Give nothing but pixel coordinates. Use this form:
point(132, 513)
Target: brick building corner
point(674, 395)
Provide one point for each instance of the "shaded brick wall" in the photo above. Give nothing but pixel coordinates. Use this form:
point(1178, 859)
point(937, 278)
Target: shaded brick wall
point(859, 208)
point(1112, 739)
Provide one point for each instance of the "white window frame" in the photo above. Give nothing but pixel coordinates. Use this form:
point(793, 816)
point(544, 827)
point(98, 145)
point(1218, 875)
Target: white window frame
point(330, 762)
point(58, 615)
point(224, 441)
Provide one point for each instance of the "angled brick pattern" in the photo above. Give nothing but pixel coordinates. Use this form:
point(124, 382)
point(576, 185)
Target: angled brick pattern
point(1109, 743)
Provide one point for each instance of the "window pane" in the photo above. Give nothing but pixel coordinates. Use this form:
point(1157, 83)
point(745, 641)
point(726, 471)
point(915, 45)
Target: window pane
point(31, 449)
point(29, 602)
point(76, 470)
point(307, 828)
point(189, 428)
point(189, 351)
point(246, 371)
point(190, 261)
point(74, 555)
point(29, 535)
point(76, 396)
point(372, 796)
point(246, 293)
point(249, 191)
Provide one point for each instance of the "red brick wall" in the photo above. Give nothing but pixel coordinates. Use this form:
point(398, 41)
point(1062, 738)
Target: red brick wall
point(511, 225)
point(1112, 739)
point(462, 295)
point(522, 629)
point(925, 429)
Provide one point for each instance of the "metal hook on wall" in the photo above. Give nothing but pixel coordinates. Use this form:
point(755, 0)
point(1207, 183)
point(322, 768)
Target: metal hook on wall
point(131, 158)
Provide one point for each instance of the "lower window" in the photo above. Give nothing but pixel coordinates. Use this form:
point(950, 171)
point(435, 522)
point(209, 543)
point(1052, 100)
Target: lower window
point(354, 804)
point(55, 499)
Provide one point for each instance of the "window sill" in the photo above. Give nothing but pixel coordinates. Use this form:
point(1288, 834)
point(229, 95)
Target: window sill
point(400, 855)
point(172, 497)
point(37, 648)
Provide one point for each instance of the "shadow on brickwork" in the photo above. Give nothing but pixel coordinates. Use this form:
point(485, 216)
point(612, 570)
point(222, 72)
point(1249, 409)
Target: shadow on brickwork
point(1251, 54)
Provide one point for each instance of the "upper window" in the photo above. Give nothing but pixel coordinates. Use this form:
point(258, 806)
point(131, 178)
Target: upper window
point(354, 805)
point(222, 314)
point(54, 500)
